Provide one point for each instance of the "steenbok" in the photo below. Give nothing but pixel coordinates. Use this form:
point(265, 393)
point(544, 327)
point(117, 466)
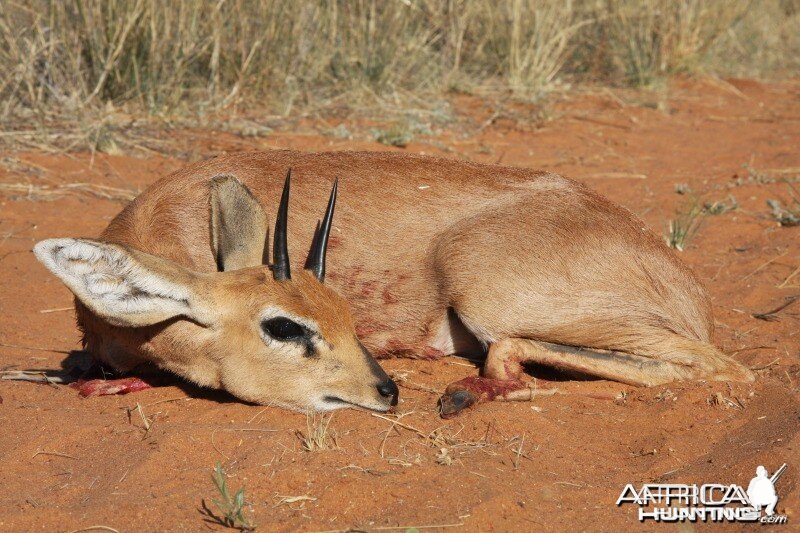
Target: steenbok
point(432, 257)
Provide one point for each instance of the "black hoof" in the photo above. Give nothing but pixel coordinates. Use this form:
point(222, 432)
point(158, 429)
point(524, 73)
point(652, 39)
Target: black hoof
point(452, 403)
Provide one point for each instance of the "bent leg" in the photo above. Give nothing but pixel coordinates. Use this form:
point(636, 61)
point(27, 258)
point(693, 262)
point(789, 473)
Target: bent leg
point(506, 358)
point(502, 372)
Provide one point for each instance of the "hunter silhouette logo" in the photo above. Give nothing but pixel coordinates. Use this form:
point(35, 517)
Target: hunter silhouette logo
point(761, 490)
point(709, 502)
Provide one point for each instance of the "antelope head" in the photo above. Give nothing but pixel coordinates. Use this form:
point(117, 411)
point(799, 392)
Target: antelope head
point(262, 332)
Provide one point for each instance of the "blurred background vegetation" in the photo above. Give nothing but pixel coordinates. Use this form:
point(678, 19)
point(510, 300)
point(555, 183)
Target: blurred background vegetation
point(71, 59)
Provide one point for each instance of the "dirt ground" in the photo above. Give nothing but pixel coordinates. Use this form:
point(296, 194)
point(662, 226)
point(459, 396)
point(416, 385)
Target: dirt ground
point(559, 462)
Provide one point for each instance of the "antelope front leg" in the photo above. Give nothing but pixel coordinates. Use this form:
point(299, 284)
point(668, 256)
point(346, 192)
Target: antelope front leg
point(108, 387)
point(110, 383)
point(85, 387)
point(501, 379)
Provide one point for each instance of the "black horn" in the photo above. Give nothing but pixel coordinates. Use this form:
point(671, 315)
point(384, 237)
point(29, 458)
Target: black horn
point(319, 247)
point(280, 250)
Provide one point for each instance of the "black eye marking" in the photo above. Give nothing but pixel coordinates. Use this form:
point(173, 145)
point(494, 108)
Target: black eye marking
point(286, 330)
point(283, 329)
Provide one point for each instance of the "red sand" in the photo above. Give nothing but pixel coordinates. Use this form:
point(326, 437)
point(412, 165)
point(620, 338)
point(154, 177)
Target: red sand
point(557, 462)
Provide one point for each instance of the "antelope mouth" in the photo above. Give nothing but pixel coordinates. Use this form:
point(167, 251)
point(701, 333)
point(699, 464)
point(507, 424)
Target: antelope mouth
point(337, 402)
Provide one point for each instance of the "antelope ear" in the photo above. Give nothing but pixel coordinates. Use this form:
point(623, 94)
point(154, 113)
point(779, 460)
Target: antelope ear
point(238, 225)
point(123, 286)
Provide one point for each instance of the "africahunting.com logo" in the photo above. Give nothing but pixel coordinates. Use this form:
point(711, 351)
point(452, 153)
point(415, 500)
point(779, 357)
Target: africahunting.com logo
point(710, 502)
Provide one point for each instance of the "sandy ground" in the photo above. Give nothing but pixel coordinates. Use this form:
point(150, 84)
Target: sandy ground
point(559, 462)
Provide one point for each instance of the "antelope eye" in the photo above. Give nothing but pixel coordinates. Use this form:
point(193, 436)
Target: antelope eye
point(283, 329)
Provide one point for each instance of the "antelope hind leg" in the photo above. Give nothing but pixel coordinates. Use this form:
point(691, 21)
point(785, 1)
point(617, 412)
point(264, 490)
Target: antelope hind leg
point(502, 372)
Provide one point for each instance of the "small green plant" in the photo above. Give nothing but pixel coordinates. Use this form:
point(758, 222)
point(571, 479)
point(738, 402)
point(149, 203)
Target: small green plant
point(682, 228)
point(682, 188)
point(785, 216)
point(790, 215)
point(720, 207)
point(339, 132)
point(231, 507)
point(397, 135)
point(757, 176)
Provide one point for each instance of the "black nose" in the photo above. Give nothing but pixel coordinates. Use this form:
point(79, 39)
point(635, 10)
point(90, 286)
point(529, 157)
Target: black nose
point(388, 389)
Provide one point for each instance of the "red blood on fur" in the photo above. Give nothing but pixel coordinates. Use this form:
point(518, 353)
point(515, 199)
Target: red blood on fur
point(334, 241)
point(431, 353)
point(513, 369)
point(106, 387)
point(368, 287)
point(394, 347)
point(485, 389)
point(366, 328)
point(388, 297)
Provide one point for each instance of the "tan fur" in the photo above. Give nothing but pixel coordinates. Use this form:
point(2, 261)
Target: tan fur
point(421, 249)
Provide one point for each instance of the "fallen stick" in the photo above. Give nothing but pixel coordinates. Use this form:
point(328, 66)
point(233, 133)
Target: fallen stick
point(773, 314)
point(34, 376)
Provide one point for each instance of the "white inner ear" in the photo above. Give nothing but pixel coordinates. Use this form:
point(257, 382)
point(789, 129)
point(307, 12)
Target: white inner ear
point(111, 283)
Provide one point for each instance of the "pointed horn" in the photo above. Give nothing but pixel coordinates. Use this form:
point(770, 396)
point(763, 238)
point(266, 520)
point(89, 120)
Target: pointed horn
point(311, 258)
point(319, 248)
point(280, 250)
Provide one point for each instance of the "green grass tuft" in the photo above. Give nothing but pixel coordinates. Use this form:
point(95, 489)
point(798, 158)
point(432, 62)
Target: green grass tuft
point(231, 507)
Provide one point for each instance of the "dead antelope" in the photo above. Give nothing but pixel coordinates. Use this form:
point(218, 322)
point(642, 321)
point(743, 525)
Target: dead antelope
point(434, 257)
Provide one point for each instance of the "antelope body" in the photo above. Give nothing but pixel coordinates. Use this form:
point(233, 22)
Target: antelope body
point(427, 257)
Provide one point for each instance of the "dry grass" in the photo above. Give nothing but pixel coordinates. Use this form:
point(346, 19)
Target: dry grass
point(683, 227)
point(162, 56)
point(519, 45)
point(30, 191)
point(318, 436)
point(763, 42)
point(447, 442)
point(147, 422)
point(648, 40)
point(77, 61)
point(289, 500)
